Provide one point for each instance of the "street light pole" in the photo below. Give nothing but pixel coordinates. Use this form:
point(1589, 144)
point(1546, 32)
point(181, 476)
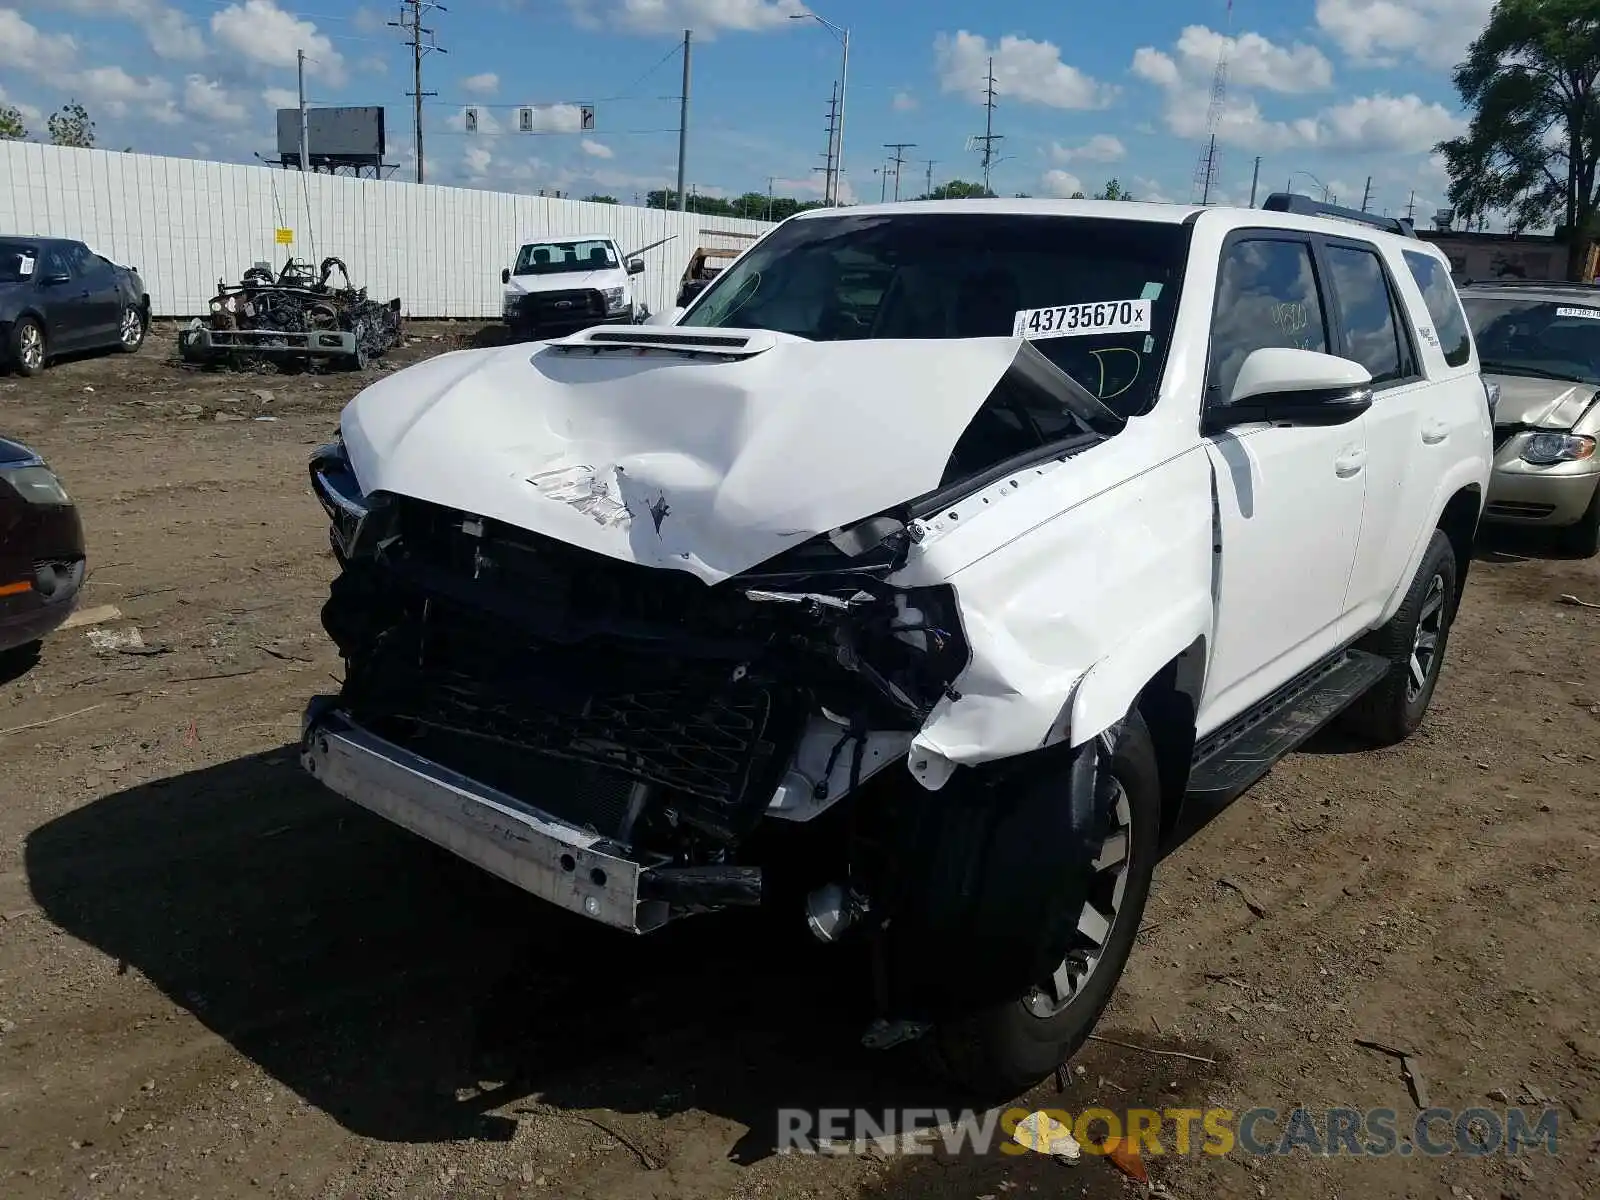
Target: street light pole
point(843, 34)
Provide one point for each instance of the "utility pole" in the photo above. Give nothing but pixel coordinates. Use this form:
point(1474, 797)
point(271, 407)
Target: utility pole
point(683, 124)
point(929, 193)
point(1210, 171)
point(899, 159)
point(411, 14)
point(1366, 196)
point(828, 188)
point(770, 180)
point(305, 120)
point(1411, 206)
point(990, 137)
point(883, 183)
point(1255, 178)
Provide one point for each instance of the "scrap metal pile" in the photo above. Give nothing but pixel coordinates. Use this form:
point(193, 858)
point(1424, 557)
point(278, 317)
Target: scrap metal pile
point(295, 316)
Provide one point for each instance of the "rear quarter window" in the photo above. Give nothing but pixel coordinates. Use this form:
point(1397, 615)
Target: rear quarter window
point(1444, 306)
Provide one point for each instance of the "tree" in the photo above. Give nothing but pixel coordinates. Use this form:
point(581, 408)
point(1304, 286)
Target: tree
point(11, 127)
point(960, 189)
point(597, 199)
point(1114, 191)
point(1532, 145)
point(72, 126)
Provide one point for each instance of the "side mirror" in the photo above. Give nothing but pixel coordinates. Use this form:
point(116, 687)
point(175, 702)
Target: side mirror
point(635, 266)
point(505, 274)
point(1294, 387)
point(56, 279)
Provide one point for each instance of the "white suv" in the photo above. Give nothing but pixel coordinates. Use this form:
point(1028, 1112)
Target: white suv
point(911, 581)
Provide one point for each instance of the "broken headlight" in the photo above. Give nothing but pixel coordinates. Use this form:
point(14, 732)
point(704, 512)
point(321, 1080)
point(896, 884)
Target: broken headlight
point(1547, 449)
point(36, 484)
point(353, 516)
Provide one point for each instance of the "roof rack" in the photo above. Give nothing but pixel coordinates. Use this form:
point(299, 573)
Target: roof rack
point(1305, 206)
point(1562, 285)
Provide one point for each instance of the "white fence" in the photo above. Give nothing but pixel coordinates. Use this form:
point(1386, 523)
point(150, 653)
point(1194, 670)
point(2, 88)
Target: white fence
point(186, 223)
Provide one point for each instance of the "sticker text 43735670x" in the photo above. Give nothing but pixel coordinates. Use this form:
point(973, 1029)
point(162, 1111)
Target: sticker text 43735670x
point(1095, 318)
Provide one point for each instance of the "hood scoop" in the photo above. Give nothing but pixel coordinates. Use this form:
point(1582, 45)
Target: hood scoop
point(722, 343)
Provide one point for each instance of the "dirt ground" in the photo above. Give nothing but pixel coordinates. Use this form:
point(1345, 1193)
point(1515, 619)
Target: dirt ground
point(218, 980)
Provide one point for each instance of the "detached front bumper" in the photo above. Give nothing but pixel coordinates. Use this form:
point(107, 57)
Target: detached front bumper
point(211, 345)
point(570, 867)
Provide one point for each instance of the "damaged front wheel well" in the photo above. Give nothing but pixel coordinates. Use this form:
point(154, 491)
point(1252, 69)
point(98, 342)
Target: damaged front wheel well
point(1168, 704)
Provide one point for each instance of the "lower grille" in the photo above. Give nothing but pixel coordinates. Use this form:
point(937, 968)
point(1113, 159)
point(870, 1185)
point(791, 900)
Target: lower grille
point(579, 306)
point(1518, 508)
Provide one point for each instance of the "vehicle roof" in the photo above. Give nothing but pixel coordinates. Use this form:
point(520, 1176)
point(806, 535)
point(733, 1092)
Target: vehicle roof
point(40, 241)
point(570, 237)
point(1128, 210)
point(1532, 290)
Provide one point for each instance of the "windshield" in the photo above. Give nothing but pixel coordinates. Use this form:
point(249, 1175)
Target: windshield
point(554, 258)
point(18, 261)
point(1542, 339)
point(1096, 296)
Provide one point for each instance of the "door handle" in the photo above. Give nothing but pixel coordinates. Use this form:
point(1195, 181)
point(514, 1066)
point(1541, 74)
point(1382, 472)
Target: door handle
point(1434, 432)
point(1349, 463)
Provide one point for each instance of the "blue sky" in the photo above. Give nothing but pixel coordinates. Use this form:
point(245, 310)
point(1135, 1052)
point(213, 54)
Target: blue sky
point(1339, 89)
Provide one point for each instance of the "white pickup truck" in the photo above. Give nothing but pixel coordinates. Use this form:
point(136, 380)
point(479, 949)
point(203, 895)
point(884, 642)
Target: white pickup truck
point(560, 285)
point(911, 580)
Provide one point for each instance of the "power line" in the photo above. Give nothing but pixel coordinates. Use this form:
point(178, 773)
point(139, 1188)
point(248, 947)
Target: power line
point(411, 14)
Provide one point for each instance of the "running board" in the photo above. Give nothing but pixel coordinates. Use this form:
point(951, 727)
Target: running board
point(1241, 752)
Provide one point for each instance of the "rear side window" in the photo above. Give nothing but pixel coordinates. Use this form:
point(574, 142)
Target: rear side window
point(1366, 313)
point(1266, 296)
point(1444, 306)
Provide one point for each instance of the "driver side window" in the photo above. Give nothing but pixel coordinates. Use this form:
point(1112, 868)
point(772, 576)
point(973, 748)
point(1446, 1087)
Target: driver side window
point(57, 262)
point(1267, 296)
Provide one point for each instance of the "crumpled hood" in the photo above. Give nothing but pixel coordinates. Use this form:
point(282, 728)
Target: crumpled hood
point(566, 281)
point(1540, 403)
point(710, 467)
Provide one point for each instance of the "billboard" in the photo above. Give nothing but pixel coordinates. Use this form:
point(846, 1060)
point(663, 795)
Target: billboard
point(333, 133)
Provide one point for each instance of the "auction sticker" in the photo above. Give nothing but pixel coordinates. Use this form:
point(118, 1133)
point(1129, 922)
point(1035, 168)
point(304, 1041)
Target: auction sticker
point(1083, 320)
point(1589, 314)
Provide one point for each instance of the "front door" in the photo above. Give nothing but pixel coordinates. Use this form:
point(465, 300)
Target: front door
point(65, 301)
point(1289, 498)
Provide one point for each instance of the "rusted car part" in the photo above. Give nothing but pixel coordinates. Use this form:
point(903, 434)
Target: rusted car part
point(295, 316)
point(708, 261)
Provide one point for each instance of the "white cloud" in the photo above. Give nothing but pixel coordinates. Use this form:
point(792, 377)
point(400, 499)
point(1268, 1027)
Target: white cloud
point(485, 84)
point(367, 20)
point(30, 115)
point(1024, 70)
point(1150, 191)
point(376, 64)
point(277, 98)
point(25, 48)
point(1102, 147)
point(1254, 61)
point(164, 112)
point(113, 90)
point(1063, 184)
point(209, 100)
point(1386, 123)
point(1435, 32)
point(596, 149)
point(170, 33)
point(557, 118)
point(267, 36)
point(904, 102)
point(705, 17)
point(476, 160)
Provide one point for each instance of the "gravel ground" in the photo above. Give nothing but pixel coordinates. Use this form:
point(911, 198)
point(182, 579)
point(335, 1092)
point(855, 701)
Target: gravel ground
point(218, 980)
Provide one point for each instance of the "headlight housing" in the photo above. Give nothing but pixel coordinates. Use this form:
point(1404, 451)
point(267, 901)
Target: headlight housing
point(357, 522)
point(615, 299)
point(37, 485)
point(1547, 449)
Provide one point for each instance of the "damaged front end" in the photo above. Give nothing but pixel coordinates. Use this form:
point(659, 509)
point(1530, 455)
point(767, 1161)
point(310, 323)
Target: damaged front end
point(604, 734)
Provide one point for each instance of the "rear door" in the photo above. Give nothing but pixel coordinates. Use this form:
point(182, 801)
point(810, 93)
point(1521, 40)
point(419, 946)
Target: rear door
point(104, 300)
point(1406, 438)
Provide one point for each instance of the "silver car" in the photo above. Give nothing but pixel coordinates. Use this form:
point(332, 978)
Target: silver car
point(1540, 343)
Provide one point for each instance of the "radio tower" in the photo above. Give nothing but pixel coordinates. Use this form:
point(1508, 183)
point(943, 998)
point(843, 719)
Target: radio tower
point(1210, 163)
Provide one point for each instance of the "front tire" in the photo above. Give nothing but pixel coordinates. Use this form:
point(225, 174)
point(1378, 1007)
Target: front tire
point(28, 350)
point(1001, 1049)
point(1413, 641)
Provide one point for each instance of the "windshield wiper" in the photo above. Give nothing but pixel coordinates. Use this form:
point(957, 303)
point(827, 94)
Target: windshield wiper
point(1501, 368)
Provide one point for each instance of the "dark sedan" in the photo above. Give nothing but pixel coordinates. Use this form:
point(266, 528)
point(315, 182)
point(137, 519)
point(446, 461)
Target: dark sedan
point(41, 548)
point(59, 297)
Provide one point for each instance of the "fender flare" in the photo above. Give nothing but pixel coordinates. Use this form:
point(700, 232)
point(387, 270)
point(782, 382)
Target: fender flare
point(1109, 688)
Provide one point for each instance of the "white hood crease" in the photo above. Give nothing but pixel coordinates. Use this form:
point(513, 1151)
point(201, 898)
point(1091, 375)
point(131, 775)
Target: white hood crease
point(704, 466)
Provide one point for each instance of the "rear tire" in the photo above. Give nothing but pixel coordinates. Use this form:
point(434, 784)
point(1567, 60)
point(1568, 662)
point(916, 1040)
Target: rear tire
point(131, 329)
point(1582, 538)
point(1005, 1048)
point(1414, 642)
point(28, 350)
